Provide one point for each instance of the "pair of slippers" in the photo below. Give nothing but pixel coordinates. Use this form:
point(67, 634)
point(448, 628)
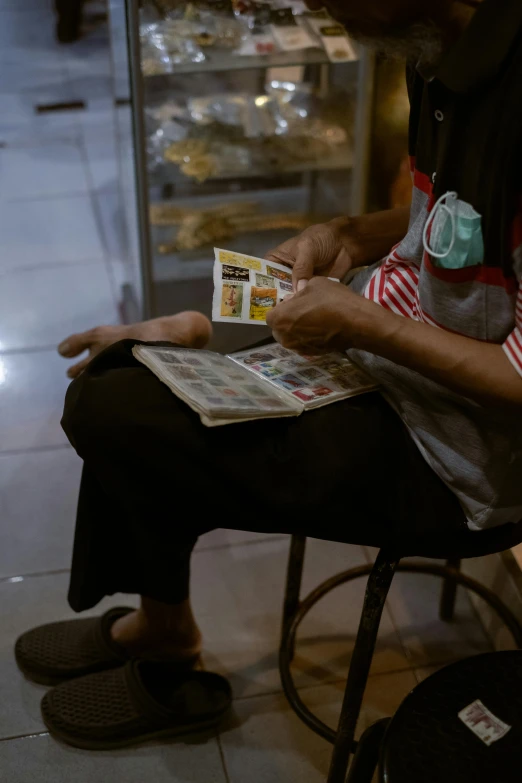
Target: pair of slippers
point(102, 699)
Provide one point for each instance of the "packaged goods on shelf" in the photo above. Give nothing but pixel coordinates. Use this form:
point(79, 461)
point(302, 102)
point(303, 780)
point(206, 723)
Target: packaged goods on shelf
point(236, 134)
point(197, 228)
point(180, 33)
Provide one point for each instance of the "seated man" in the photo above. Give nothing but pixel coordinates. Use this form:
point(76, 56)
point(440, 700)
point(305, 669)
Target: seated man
point(435, 318)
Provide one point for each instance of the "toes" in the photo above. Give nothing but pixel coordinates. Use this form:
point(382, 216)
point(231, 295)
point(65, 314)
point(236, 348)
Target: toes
point(76, 369)
point(75, 344)
point(199, 328)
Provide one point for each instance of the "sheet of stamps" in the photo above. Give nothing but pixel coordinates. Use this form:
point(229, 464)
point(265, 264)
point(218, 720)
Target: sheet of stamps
point(312, 380)
point(214, 383)
point(246, 288)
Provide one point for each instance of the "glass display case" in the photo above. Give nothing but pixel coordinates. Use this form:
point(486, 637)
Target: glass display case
point(250, 121)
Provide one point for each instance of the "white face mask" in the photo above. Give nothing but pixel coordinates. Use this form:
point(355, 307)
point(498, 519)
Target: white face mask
point(453, 233)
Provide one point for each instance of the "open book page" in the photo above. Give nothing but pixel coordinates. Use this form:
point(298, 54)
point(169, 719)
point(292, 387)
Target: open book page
point(214, 386)
point(246, 288)
point(314, 381)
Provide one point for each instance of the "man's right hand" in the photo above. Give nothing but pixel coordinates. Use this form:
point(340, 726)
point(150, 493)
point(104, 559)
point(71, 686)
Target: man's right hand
point(332, 249)
point(320, 250)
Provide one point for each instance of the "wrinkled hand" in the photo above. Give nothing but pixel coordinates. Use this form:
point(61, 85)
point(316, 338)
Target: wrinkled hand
point(323, 317)
point(319, 250)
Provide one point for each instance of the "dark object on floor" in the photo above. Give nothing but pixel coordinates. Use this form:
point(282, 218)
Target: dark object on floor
point(465, 544)
point(139, 702)
point(69, 20)
point(427, 741)
point(61, 651)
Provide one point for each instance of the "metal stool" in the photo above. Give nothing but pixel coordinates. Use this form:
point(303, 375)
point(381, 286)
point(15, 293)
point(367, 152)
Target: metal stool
point(426, 741)
point(464, 545)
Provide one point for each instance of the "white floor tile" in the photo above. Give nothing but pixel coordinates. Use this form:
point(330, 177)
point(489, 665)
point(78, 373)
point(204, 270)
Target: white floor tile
point(20, 124)
point(41, 307)
point(40, 171)
point(50, 231)
point(23, 37)
point(38, 497)
point(413, 603)
point(268, 739)
point(31, 75)
point(238, 598)
point(110, 211)
point(102, 165)
point(193, 759)
point(32, 391)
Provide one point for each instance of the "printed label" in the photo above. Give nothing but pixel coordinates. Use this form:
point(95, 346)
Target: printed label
point(483, 723)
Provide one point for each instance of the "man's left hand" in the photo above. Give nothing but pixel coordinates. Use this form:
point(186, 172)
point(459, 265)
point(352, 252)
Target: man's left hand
point(321, 318)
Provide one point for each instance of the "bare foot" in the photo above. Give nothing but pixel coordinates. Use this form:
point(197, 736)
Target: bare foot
point(157, 639)
point(190, 328)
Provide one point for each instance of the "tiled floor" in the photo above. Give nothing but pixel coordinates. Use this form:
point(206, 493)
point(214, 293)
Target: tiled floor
point(57, 203)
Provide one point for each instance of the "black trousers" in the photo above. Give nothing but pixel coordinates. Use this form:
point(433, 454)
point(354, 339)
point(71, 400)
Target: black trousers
point(155, 479)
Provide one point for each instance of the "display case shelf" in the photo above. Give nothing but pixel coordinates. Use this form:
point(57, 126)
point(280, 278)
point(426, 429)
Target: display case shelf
point(223, 60)
point(341, 161)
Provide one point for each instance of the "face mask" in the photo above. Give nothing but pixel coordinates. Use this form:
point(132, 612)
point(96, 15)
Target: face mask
point(453, 234)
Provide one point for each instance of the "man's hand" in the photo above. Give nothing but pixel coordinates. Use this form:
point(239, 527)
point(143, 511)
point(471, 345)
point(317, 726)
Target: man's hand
point(333, 249)
point(319, 250)
point(328, 316)
point(322, 317)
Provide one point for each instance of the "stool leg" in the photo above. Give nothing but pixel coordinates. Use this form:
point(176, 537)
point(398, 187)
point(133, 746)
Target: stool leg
point(366, 758)
point(294, 575)
point(377, 588)
point(449, 593)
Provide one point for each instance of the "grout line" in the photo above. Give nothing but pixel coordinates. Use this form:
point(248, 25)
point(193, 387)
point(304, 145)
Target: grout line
point(45, 196)
point(335, 681)
point(25, 736)
point(222, 756)
point(100, 227)
point(57, 571)
point(31, 349)
point(22, 577)
point(53, 265)
point(35, 450)
point(214, 547)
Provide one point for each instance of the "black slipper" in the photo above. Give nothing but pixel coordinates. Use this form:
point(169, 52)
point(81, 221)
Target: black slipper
point(144, 700)
point(62, 651)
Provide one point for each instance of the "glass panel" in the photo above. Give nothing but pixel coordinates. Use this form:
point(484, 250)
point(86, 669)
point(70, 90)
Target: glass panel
point(240, 143)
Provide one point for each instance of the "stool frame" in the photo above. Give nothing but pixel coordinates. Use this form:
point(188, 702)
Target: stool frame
point(380, 576)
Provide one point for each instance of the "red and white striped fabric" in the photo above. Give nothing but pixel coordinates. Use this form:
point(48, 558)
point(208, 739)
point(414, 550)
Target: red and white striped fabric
point(513, 344)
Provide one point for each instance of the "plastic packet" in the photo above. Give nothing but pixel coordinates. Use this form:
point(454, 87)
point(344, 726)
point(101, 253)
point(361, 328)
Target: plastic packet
point(290, 35)
point(155, 56)
point(334, 37)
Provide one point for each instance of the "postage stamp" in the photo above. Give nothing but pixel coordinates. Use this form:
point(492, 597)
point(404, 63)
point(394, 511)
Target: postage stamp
point(483, 722)
point(184, 373)
point(170, 357)
point(261, 301)
point(258, 356)
point(285, 276)
point(238, 259)
point(311, 373)
point(232, 300)
point(304, 394)
point(254, 391)
point(193, 361)
point(321, 391)
point(235, 274)
point(267, 370)
point(264, 281)
point(290, 382)
point(199, 388)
